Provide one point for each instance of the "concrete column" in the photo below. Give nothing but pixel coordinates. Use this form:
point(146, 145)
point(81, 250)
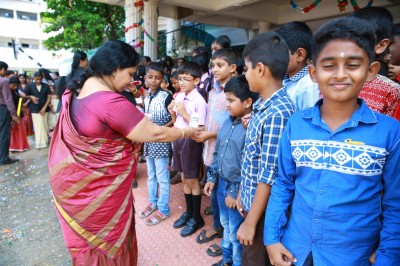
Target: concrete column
point(251, 34)
point(132, 16)
point(173, 38)
point(263, 26)
point(151, 26)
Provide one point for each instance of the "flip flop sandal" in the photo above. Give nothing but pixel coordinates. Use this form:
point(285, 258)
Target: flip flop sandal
point(217, 250)
point(202, 237)
point(147, 211)
point(156, 218)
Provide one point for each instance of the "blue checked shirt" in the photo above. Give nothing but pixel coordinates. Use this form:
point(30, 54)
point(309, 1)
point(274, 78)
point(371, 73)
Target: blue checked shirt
point(264, 130)
point(343, 187)
point(227, 157)
point(303, 92)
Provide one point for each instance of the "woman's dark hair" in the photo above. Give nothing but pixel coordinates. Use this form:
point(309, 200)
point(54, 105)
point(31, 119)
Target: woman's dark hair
point(45, 74)
point(201, 50)
point(13, 80)
point(112, 55)
point(224, 41)
point(22, 75)
point(169, 61)
point(78, 56)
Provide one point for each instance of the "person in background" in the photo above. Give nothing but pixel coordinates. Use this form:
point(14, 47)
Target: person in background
point(91, 150)
point(205, 81)
point(79, 63)
point(40, 95)
point(395, 58)
point(19, 140)
point(52, 118)
point(380, 94)
point(181, 60)
point(297, 82)
point(221, 42)
point(27, 117)
point(8, 114)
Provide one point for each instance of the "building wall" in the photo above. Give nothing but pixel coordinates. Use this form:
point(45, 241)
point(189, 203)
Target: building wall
point(20, 21)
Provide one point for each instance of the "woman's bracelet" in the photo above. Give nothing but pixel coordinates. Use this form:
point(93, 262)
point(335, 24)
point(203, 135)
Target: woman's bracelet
point(183, 133)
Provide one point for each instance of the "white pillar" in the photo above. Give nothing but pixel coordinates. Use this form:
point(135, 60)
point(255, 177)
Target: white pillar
point(132, 15)
point(263, 26)
point(173, 38)
point(151, 27)
point(251, 34)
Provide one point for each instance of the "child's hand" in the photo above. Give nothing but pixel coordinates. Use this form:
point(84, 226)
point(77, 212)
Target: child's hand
point(246, 234)
point(43, 111)
point(208, 188)
point(171, 108)
point(239, 205)
point(245, 120)
point(230, 202)
point(279, 255)
point(180, 108)
point(200, 136)
point(372, 258)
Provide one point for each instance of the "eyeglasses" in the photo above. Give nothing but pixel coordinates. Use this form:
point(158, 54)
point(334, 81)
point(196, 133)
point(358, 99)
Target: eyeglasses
point(184, 80)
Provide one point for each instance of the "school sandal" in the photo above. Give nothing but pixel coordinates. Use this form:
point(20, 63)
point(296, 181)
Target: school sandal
point(221, 263)
point(147, 211)
point(202, 237)
point(157, 218)
point(214, 250)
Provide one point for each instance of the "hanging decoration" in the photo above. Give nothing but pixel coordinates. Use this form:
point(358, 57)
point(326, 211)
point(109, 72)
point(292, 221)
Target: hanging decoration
point(341, 5)
point(134, 25)
point(148, 35)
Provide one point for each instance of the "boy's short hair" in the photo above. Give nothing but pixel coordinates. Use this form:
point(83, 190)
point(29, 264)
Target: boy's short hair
point(271, 50)
point(226, 54)
point(174, 75)
point(239, 87)
point(379, 17)
point(297, 35)
point(351, 29)
point(13, 80)
point(37, 74)
point(3, 65)
point(189, 68)
point(202, 61)
point(156, 66)
point(396, 30)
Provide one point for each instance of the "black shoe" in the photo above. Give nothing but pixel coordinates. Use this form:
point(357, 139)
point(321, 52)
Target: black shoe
point(9, 161)
point(181, 222)
point(221, 263)
point(134, 183)
point(191, 227)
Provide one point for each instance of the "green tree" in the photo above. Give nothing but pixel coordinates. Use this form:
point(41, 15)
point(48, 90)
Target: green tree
point(80, 24)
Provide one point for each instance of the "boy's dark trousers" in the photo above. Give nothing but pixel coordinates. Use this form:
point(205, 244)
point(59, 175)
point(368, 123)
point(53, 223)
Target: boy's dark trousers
point(256, 254)
point(5, 127)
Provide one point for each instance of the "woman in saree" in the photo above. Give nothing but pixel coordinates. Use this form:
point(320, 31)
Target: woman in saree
point(92, 163)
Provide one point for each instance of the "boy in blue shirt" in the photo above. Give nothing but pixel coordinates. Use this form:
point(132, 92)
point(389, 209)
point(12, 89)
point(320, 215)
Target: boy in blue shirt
point(338, 164)
point(266, 58)
point(226, 165)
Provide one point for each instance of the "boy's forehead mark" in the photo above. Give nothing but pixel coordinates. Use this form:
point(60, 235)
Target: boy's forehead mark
point(341, 54)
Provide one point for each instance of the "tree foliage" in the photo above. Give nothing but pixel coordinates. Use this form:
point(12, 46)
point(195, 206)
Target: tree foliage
point(80, 24)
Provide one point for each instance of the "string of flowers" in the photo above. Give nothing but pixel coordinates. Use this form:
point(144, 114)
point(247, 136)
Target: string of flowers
point(134, 25)
point(148, 35)
point(341, 5)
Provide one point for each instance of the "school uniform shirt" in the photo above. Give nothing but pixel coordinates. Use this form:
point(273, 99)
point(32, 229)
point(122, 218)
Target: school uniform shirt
point(32, 89)
point(194, 103)
point(228, 155)
point(334, 182)
point(156, 108)
point(303, 92)
point(381, 94)
point(260, 155)
point(216, 116)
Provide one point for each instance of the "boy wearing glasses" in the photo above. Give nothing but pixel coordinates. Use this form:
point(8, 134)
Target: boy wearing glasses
point(189, 106)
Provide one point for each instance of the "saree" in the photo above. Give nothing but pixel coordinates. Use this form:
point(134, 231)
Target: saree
point(19, 140)
point(91, 182)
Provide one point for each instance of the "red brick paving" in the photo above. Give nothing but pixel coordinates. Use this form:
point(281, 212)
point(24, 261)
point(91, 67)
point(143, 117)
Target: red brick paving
point(161, 244)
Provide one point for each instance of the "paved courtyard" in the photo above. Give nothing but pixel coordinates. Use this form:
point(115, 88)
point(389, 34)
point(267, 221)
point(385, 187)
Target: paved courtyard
point(30, 233)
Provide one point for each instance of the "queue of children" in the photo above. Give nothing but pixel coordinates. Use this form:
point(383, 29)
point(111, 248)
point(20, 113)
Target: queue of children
point(293, 170)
